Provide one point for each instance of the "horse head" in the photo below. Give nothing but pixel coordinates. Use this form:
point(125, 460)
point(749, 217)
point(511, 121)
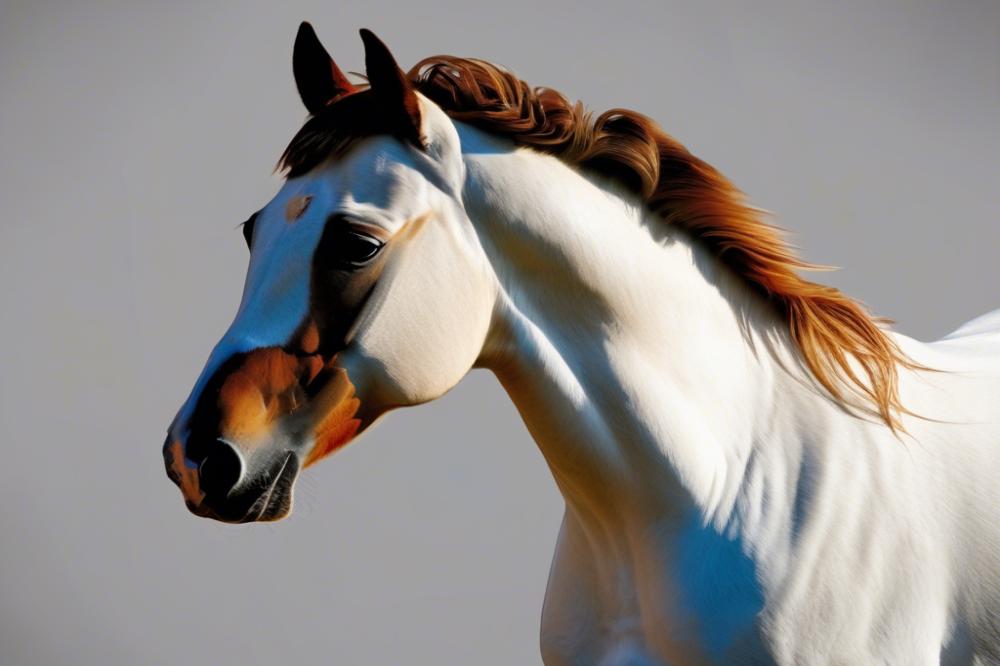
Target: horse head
point(367, 290)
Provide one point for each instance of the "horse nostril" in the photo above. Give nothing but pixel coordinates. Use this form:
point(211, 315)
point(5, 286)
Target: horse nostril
point(220, 470)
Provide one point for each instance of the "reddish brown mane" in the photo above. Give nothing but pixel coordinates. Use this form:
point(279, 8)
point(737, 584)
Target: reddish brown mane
point(829, 328)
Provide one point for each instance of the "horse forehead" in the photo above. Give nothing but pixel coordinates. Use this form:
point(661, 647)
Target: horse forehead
point(378, 184)
point(380, 172)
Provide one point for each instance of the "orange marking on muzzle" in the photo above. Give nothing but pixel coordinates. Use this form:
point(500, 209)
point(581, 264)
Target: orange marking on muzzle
point(267, 385)
point(270, 384)
point(186, 477)
point(309, 340)
point(338, 426)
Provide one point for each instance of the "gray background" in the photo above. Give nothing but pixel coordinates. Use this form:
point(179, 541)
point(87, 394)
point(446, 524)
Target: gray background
point(135, 137)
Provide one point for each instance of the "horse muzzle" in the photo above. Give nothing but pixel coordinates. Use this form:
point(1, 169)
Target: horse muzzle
point(261, 416)
point(218, 486)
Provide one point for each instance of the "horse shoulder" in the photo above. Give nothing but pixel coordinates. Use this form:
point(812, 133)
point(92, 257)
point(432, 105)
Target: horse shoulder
point(960, 430)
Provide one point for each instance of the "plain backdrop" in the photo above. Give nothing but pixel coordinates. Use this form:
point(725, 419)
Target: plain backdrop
point(134, 137)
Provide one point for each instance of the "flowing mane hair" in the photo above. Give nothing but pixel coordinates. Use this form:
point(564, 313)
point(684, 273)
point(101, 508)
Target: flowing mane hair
point(844, 347)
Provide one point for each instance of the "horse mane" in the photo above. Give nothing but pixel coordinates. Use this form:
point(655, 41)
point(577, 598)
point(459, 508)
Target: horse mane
point(834, 334)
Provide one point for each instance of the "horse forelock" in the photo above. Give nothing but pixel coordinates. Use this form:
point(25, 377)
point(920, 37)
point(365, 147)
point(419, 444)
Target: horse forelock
point(834, 334)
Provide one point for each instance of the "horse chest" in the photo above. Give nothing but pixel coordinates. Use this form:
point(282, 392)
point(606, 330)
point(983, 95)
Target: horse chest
point(673, 597)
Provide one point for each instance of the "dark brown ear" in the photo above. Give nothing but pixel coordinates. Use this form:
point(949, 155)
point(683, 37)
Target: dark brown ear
point(394, 92)
point(318, 78)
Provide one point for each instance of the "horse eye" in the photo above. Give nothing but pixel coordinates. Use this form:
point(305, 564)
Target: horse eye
point(359, 248)
point(346, 248)
point(248, 230)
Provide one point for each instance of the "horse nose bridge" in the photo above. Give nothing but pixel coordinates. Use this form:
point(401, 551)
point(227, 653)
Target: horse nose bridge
point(273, 309)
point(222, 354)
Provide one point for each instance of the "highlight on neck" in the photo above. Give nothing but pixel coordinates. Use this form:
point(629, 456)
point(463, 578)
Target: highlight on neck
point(846, 349)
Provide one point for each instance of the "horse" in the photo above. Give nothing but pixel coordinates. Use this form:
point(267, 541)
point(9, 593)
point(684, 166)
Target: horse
point(755, 469)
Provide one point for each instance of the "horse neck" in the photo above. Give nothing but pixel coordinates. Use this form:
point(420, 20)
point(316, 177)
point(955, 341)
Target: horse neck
point(646, 371)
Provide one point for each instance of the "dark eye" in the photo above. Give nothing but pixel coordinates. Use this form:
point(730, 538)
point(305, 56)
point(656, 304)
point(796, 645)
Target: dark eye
point(345, 248)
point(359, 248)
point(248, 230)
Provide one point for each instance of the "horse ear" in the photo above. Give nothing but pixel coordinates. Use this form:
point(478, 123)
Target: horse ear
point(317, 76)
point(394, 92)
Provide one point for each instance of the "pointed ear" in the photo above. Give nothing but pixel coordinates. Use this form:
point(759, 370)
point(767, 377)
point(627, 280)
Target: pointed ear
point(318, 78)
point(394, 92)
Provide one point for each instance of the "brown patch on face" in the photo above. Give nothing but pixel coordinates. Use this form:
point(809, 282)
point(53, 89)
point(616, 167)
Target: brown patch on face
point(296, 207)
point(186, 477)
point(271, 384)
point(339, 406)
point(309, 340)
point(267, 385)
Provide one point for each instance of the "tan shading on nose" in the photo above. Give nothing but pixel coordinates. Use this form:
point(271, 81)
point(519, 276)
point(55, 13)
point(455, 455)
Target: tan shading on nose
point(266, 386)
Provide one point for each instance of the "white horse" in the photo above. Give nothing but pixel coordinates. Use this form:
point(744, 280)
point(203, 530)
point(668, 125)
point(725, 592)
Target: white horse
point(754, 471)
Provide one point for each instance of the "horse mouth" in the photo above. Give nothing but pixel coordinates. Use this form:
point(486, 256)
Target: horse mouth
point(276, 501)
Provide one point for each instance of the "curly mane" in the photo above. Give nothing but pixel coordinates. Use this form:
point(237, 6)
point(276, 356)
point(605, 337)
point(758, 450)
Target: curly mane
point(834, 334)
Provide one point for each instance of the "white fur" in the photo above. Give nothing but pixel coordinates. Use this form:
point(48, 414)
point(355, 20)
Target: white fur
point(719, 507)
